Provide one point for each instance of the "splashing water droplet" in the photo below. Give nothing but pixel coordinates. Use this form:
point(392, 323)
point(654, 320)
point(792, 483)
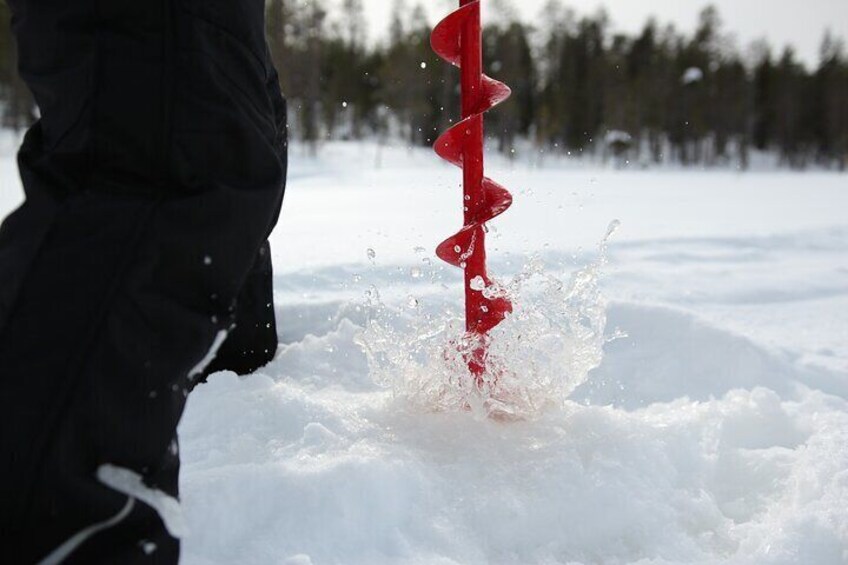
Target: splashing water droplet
point(477, 283)
point(372, 296)
point(613, 227)
point(371, 254)
point(415, 273)
point(536, 358)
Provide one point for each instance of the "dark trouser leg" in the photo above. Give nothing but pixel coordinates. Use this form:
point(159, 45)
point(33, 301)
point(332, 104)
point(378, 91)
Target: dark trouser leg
point(97, 358)
point(252, 343)
point(148, 200)
point(115, 317)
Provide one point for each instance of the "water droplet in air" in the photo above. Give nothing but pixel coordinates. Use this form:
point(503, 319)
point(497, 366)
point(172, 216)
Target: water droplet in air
point(415, 272)
point(613, 227)
point(457, 249)
point(371, 254)
point(373, 294)
point(477, 283)
point(207, 260)
point(412, 302)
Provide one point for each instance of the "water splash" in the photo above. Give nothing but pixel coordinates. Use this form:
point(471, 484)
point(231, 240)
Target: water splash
point(535, 360)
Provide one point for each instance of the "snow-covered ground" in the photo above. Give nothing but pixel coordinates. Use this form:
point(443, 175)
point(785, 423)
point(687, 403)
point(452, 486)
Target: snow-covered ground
point(715, 429)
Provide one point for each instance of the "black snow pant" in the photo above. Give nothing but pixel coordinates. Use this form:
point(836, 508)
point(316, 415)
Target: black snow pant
point(153, 180)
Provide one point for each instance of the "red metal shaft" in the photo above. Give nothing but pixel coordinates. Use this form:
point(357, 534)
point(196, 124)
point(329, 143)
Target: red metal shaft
point(471, 82)
point(458, 40)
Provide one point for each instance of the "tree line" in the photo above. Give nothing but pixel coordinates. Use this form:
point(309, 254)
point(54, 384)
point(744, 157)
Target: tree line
point(579, 88)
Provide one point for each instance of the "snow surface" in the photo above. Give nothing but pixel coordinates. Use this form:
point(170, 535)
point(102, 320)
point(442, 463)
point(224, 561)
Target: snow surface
point(692, 75)
point(715, 429)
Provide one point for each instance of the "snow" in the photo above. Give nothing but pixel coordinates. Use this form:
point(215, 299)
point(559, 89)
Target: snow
point(692, 75)
point(210, 356)
point(714, 430)
point(132, 484)
point(616, 136)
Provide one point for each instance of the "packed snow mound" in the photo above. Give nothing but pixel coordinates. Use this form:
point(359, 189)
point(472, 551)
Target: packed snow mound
point(311, 462)
point(667, 354)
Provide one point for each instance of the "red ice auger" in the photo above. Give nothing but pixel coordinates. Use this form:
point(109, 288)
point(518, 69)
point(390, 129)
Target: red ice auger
point(458, 40)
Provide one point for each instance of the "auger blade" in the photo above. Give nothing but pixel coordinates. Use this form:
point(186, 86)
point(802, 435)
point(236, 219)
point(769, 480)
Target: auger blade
point(458, 40)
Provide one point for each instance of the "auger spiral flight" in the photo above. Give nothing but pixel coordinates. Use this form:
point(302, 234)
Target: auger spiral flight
point(458, 40)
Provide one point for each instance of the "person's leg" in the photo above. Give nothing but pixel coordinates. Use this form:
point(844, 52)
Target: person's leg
point(152, 183)
point(252, 343)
